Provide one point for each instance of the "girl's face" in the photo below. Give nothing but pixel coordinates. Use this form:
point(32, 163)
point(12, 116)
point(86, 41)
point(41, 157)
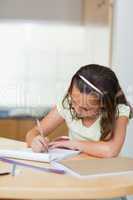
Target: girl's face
point(85, 105)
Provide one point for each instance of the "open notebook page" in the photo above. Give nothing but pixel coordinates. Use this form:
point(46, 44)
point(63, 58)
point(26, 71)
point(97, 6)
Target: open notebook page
point(28, 154)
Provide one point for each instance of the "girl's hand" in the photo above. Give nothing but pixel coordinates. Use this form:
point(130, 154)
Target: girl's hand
point(40, 144)
point(60, 138)
point(65, 144)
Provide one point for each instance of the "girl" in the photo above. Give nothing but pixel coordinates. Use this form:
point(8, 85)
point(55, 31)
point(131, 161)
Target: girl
point(95, 110)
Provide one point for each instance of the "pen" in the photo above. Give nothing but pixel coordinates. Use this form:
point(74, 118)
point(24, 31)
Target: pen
point(40, 131)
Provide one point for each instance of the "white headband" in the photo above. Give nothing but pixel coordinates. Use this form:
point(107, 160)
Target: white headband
point(90, 84)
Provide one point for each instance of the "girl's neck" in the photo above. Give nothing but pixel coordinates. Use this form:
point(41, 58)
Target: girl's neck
point(89, 121)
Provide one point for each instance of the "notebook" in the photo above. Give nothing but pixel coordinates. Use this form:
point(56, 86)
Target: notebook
point(28, 154)
point(86, 168)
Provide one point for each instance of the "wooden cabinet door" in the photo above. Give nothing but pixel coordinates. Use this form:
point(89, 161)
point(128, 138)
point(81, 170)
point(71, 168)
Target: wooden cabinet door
point(8, 128)
point(24, 125)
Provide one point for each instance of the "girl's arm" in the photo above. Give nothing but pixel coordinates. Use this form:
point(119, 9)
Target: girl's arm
point(103, 149)
point(48, 124)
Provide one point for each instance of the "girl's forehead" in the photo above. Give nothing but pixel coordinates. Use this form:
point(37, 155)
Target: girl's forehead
point(75, 93)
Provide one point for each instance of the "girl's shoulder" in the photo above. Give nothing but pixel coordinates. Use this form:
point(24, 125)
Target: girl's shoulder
point(123, 110)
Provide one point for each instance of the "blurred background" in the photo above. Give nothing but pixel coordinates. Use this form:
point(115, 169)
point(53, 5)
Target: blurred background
point(44, 42)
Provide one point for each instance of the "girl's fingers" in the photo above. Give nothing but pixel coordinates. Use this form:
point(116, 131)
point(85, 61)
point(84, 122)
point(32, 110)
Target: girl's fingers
point(53, 145)
point(63, 144)
point(46, 140)
point(37, 146)
point(40, 144)
point(43, 141)
point(44, 146)
point(61, 138)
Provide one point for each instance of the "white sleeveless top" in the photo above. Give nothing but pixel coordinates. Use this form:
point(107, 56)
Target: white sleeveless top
point(77, 131)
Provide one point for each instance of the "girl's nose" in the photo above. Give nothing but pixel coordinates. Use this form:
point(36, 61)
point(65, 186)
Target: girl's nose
point(77, 109)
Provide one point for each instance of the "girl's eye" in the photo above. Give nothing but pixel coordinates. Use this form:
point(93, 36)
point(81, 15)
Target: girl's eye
point(88, 109)
point(85, 109)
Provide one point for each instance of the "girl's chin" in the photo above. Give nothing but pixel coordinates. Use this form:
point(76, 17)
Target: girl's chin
point(82, 116)
point(86, 116)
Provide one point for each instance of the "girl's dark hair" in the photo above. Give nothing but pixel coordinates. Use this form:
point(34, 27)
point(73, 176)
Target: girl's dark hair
point(106, 81)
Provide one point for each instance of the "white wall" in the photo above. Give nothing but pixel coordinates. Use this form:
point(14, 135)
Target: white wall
point(123, 58)
point(42, 43)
